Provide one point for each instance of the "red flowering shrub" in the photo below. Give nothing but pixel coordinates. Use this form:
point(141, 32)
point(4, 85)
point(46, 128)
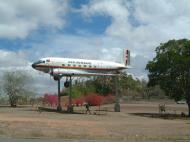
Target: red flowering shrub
point(108, 99)
point(94, 99)
point(79, 101)
point(50, 99)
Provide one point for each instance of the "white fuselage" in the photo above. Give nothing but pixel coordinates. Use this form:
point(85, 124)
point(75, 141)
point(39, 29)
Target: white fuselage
point(77, 67)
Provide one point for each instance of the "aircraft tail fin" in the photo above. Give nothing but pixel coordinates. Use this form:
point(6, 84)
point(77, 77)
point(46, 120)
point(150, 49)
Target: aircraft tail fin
point(126, 57)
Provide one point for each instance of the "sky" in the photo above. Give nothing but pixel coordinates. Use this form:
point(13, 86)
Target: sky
point(91, 29)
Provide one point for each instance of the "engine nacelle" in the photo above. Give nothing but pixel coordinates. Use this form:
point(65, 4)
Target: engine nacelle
point(66, 84)
point(56, 78)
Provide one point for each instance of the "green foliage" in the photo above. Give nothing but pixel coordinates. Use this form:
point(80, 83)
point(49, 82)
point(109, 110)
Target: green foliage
point(89, 87)
point(106, 85)
point(78, 90)
point(154, 92)
point(127, 82)
point(171, 69)
point(1, 90)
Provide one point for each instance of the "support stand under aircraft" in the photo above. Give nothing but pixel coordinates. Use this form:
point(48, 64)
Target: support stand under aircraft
point(66, 84)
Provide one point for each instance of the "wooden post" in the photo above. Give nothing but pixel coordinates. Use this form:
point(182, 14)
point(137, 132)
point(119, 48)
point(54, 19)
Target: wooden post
point(59, 108)
point(117, 104)
point(70, 107)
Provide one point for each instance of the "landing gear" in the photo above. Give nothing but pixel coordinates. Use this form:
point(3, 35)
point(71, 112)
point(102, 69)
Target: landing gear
point(56, 78)
point(66, 84)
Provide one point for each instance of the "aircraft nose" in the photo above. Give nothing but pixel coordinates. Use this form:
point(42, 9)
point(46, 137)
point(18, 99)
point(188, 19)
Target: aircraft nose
point(34, 66)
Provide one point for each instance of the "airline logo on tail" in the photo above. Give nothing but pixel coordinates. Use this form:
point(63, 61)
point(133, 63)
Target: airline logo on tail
point(126, 57)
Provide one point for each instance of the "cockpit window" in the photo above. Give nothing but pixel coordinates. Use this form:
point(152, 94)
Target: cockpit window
point(39, 62)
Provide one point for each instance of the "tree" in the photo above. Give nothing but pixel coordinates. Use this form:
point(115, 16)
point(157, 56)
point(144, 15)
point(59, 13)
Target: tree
point(171, 69)
point(103, 85)
point(15, 85)
point(1, 90)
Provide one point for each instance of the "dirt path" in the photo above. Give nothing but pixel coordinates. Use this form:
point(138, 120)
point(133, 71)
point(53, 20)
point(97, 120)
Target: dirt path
point(122, 126)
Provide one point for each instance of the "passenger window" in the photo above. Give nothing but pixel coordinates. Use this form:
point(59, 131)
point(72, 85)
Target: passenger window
point(63, 64)
point(69, 65)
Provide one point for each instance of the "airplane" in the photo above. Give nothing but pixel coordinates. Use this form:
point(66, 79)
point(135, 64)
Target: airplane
point(81, 67)
point(69, 67)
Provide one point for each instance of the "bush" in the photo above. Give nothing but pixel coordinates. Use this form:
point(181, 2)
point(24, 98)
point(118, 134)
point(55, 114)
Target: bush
point(94, 99)
point(50, 99)
point(108, 99)
point(79, 101)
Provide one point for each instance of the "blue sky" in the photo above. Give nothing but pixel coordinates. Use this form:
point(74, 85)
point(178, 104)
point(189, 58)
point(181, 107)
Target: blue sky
point(95, 29)
point(75, 25)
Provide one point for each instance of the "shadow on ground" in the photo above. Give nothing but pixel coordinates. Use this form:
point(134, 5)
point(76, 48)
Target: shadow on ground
point(41, 109)
point(162, 116)
point(94, 112)
point(19, 106)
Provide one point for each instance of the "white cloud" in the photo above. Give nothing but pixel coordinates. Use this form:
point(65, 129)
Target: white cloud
point(163, 19)
point(20, 17)
point(155, 22)
point(90, 47)
point(12, 59)
point(116, 9)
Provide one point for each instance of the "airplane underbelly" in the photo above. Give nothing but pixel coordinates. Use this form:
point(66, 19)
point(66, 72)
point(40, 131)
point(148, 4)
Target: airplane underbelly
point(80, 72)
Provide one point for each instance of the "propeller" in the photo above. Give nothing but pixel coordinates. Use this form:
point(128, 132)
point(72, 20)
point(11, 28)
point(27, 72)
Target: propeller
point(51, 71)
